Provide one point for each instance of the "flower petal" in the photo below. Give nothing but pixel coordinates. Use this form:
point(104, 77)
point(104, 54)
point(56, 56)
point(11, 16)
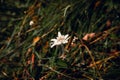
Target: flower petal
point(66, 36)
point(65, 42)
point(54, 40)
point(59, 34)
point(58, 43)
point(52, 45)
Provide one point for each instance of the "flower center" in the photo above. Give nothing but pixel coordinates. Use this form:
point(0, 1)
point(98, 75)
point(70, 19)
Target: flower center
point(61, 38)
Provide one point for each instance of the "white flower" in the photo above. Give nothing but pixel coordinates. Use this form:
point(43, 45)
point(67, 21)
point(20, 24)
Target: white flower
point(61, 39)
point(74, 39)
point(31, 23)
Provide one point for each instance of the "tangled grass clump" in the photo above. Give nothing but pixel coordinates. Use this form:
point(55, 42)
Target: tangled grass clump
point(91, 52)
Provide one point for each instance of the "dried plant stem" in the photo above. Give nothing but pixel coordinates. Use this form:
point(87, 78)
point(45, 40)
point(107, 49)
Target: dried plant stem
point(88, 77)
point(105, 60)
point(104, 34)
point(49, 31)
point(52, 69)
point(93, 61)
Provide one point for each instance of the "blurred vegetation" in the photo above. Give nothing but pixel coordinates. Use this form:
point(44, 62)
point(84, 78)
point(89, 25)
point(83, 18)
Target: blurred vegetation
point(25, 52)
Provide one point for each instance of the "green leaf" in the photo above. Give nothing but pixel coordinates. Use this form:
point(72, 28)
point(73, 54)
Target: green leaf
point(61, 63)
